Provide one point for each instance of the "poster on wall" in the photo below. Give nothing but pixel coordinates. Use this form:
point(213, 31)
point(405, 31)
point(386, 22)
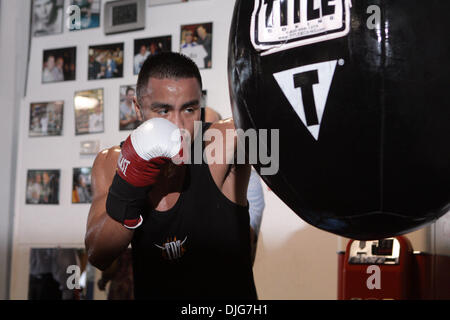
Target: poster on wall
point(127, 114)
point(42, 187)
point(89, 116)
point(46, 119)
point(162, 2)
point(47, 17)
point(59, 65)
point(89, 14)
point(144, 48)
point(196, 43)
point(105, 61)
point(81, 185)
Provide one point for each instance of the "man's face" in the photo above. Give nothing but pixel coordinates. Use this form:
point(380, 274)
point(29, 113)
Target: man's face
point(51, 62)
point(130, 95)
point(42, 9)
point(143, 50)
point(177, 100)
point(201, 32)
point(60, 63)
point(188, 37)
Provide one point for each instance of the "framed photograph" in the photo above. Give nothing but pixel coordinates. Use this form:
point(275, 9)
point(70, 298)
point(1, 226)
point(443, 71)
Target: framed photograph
point(47, 17)
point(89, 116)
point(59, 65)
point(143, 48)
point(81, 185)
point(127, 113)
point(196, 43)
point(64, 262)
point(89, 14)
point(42, 187)
point(46, 119)
point(162, 2)
point(124, 16)
point(105, 61)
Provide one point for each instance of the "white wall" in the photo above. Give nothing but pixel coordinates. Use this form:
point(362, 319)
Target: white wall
point(13, 50)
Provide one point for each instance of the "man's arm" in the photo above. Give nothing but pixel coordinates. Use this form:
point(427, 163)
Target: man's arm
point(230, 176)
point(120, 196)
point(105, 238)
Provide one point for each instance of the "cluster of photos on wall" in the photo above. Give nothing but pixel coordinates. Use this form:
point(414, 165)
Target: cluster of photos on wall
point(105, 61)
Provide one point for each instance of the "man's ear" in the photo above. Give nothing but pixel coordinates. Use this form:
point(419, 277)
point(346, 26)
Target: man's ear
point(138, 109)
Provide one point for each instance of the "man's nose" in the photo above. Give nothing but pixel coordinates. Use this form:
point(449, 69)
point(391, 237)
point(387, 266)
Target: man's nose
point(177, 119)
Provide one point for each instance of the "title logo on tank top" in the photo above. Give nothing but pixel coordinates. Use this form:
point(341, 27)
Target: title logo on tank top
point(172, 249)
point(278, 25)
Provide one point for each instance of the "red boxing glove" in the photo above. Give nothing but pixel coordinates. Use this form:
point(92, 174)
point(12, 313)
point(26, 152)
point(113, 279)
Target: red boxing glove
point(153, 144)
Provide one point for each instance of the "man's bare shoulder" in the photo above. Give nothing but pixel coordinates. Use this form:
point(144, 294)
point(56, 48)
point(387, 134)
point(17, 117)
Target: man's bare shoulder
point(104, 168)
point(107, 156)
point(223, 125)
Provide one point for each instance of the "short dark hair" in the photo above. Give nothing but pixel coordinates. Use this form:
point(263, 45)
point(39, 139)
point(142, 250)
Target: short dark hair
point(171, 65)
point(129, 89)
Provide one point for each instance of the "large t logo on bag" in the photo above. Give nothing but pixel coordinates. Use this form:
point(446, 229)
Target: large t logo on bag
point(306, 89)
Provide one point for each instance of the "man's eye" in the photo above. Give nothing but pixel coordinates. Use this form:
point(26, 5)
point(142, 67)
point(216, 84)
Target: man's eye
point(162, 112)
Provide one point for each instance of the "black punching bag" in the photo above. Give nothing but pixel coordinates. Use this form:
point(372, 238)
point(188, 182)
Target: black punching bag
point(360, 94)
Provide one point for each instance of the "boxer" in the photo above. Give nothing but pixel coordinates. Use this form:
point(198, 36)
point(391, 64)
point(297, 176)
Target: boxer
point(188, 224)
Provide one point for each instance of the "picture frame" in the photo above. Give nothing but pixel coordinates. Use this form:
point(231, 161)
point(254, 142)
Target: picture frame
point(42, 186)
point(43, 285)
point(105, 61)
point(89, 14)
point(124, 16)
point(196, 43)
point(59, 65)
point(81, 185)
point(127, 114)
point(47, 17)
point(89, 116)
point(46, 119)
point(143, 48)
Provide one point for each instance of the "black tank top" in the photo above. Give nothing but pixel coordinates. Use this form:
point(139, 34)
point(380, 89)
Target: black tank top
point(199, 249)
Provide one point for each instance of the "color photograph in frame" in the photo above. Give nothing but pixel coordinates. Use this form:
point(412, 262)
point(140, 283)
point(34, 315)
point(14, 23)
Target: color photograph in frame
point(105, 61)
point(46, 119)
point(143, 48)
point(42, 187)
point(81, 185)
point(89, 116)
point(127, 114)
point(89, 14)
point(196, 43)
point(59, 65)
